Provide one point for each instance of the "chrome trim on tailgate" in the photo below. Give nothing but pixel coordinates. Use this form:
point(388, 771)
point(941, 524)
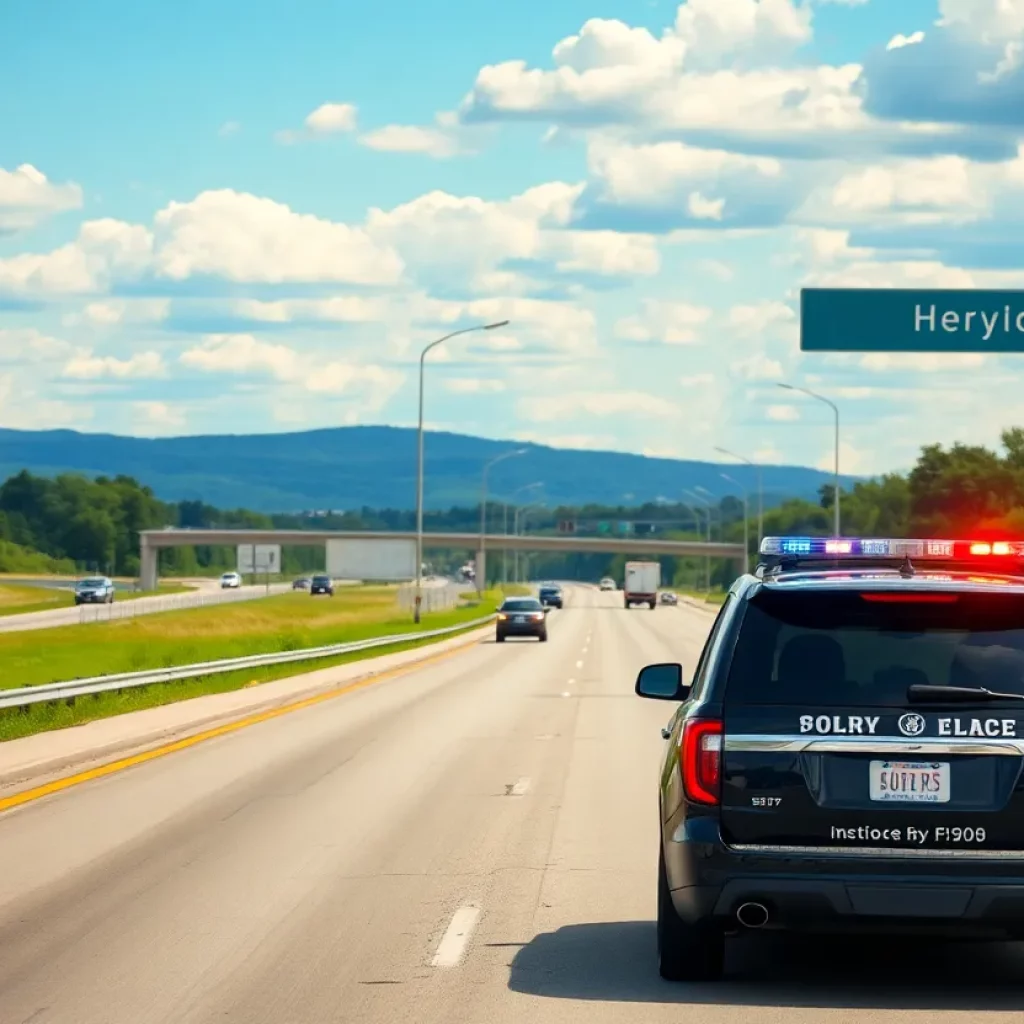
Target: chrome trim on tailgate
point(888, 852)
point(892, 745)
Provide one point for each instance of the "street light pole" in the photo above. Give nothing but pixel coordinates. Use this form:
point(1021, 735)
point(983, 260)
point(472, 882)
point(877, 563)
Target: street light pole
point(760, 490)
point(482, 567)
point(746, 522)
point(419, 461)
point(515, 520)
point(835, 410)
point(707, 558)
point(518, 525)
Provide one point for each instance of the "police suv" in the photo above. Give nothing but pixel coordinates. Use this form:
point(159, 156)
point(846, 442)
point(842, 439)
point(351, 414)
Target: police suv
point(848, 754)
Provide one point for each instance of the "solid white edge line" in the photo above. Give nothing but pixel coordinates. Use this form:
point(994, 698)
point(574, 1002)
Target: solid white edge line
point(452, 946)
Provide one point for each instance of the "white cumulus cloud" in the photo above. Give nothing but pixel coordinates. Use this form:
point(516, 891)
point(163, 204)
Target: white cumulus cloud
point(401, 138)
point(327, 119)
point(28, 197)
point(243, 237)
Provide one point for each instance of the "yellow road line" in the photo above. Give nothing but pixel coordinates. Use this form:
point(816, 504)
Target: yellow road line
point(38, 792)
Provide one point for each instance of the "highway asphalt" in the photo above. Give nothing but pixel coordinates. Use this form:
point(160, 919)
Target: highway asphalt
point(471, 842)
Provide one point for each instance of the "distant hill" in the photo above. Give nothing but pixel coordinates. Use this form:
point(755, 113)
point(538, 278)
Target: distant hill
point(351, 467)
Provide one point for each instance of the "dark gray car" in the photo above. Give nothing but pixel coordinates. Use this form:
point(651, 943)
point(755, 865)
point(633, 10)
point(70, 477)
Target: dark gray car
point(521, 616)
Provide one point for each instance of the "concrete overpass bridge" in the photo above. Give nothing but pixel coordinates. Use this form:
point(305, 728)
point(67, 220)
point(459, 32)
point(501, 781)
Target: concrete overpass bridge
point(152, 541)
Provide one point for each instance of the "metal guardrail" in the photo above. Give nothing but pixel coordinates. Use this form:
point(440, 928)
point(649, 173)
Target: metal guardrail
point(130, 608)
point(28, 695)
point(437, 594)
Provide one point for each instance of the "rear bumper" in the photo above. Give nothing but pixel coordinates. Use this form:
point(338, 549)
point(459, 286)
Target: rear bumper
point(522, 630)
point(817, 893)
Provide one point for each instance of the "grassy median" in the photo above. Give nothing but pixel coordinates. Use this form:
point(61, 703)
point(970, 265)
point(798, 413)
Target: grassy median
point(22, 598)
point(285, 623)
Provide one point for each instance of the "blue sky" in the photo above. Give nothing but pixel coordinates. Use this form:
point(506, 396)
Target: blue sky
point(228, 217)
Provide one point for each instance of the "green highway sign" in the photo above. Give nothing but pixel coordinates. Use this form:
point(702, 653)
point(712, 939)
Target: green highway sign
point(911, 320)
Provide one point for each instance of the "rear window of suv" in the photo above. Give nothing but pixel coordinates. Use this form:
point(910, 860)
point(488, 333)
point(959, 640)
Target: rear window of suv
point(840, 648)
point(523, 604)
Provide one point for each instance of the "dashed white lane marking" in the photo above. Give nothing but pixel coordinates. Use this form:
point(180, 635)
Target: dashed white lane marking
point(452, 946)
point(571, 681)
point(579, 664)
point(520, 788)
point(566, 694)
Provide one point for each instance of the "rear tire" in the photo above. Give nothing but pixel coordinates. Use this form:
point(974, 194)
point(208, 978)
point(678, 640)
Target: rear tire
point(499, 638)
point(686, 952)
point(654, 604)
point(543, 638)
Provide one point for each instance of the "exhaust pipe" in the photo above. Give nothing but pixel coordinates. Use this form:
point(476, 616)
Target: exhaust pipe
point(752, 915)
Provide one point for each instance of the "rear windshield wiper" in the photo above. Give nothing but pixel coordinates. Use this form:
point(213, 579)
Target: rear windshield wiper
point(923, 694)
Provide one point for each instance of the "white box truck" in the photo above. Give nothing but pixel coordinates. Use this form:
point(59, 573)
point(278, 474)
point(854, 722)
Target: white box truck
point(642, 582)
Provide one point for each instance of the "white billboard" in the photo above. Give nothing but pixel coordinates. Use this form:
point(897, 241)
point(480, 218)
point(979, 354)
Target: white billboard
point(382, 561)
point(264, 559)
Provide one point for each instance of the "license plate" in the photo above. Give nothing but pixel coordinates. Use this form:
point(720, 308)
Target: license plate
point(520, 618)
point(917, 782)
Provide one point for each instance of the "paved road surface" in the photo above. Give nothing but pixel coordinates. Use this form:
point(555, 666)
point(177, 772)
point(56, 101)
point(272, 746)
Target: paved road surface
point(207, 593)
point(472, 843)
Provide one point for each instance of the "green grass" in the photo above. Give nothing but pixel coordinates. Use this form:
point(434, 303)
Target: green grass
point(284, 623)
point(20, 598)
point(714, 597)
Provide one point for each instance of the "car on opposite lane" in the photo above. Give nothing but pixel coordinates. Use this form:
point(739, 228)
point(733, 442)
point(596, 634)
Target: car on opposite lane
point(95, 590)
point(667, 597)
point(521, 616)
point(231, 581)
point(321, 584)
point(302, 583)
point(550, 595)
point(849, 755)
point(607, 583)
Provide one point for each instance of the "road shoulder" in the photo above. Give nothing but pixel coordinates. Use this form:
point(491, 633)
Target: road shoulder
point(35, 759)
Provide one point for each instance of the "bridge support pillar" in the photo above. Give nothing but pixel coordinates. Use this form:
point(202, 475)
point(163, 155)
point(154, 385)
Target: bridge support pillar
point(481, 571)
point(147, 565)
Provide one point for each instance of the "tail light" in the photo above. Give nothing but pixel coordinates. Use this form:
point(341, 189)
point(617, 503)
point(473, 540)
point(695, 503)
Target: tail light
point(700, 758)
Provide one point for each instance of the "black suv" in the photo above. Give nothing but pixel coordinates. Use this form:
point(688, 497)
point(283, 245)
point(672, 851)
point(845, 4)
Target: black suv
point(550, 595)
point(321, 585)
point(849, 754)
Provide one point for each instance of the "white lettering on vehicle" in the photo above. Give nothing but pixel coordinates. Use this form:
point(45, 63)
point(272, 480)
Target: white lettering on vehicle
point(840, 725)
point(952, 835)
point(979, 727)
point(865, 725)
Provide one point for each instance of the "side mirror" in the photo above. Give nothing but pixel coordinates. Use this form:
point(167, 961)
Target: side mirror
point(662, 682)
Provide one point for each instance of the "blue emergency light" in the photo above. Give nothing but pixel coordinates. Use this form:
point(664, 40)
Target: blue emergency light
point(875, 547)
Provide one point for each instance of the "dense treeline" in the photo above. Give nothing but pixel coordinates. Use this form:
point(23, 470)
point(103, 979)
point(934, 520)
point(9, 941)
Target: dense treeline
point(73, 523)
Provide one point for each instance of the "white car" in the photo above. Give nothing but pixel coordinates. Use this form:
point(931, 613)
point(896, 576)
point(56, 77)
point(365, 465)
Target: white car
point(230, 581)
point(607, 583)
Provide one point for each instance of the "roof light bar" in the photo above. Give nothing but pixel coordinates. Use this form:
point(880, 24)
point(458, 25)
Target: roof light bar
point(875, 547)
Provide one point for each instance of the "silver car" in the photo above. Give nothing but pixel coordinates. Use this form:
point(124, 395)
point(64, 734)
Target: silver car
point(94, 590)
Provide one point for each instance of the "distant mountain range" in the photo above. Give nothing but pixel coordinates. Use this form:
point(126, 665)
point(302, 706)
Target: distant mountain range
point(351, 467)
